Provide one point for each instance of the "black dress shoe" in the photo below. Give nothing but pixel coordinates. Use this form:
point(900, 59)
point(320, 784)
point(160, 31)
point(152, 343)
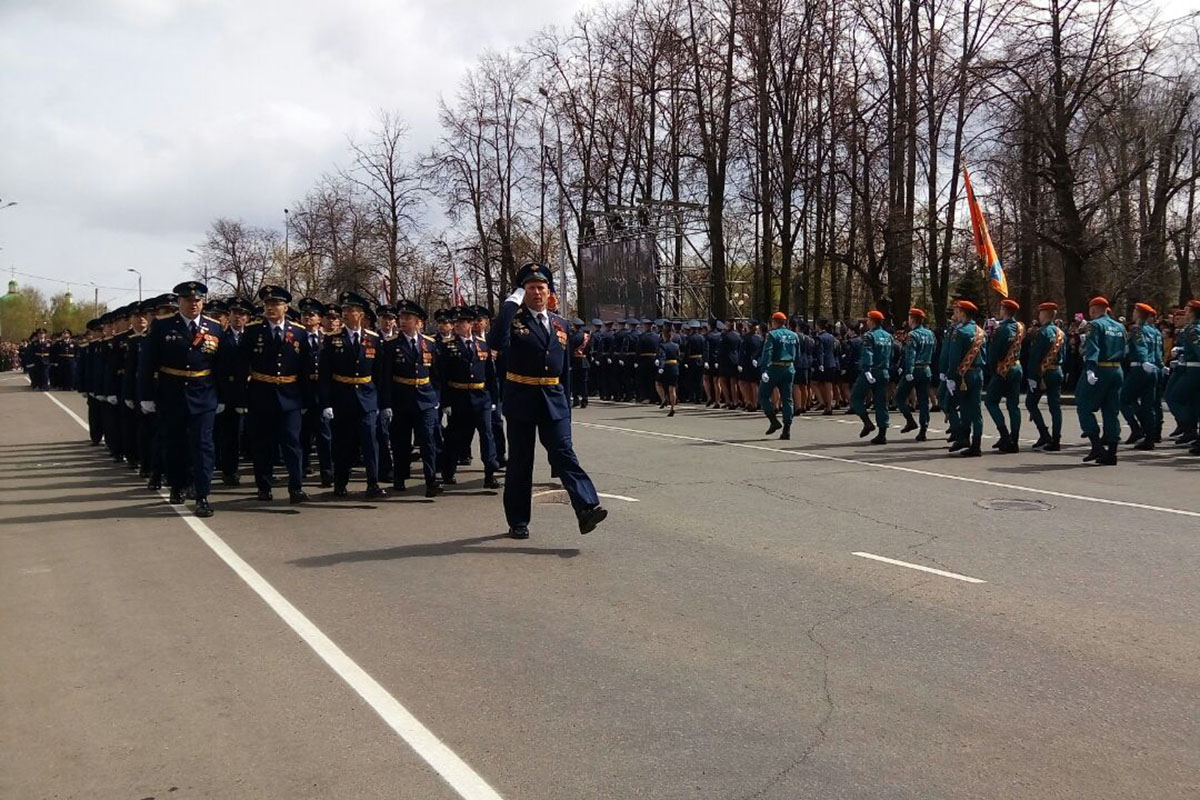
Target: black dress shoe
point(774, 426)
point(265, 495)
point(909, 426)
point(867, 429)
point(298, 497)
point(1145, 444)
point(518, 532)
point(154, 484)
point(203, 509)
point(1053, 446)
point(590, 518)
point(398, 486)
point(465, 461)
point(432, 490)
point(787, 433)
point(231, 479)
point(922, 436)
point(671, 413)
point(375, 493)
point(326, 480)
point(176, 498)
point(340, 491)
point(451, 481)
point(189, 492)
point(490, 482)
point(880, 438)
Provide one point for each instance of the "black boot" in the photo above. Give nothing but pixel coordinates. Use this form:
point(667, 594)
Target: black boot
point(1042, 440)
point(1108, 455)
point(1135, 433)
point(1054, 445)
point(1145, 444)
point(1096, 450)
point(868, 427)
point(203, 509)
point(1002, 442)
point(881, 437)
point(973, 450)
point(959, 443)
point(922, 435)
point(774, 426)
point(787, 432)
point(910, 424)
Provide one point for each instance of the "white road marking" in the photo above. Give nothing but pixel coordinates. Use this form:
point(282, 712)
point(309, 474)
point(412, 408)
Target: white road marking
point(930, 570)
point(545, 492)
point(464, 780)
point(82, 423)
point(895, 468)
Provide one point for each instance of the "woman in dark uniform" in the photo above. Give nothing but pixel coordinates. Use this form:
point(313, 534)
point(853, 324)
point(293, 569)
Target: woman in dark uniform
point(668, 371)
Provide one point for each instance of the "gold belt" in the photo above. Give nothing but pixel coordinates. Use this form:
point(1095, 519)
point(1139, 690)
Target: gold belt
point(670, 361)
point(781, 363)
point(352, 380)
point(528, 381)
point(410, 381)
point(647, 355)
point(1108, 363)
point(262, 377)
point(457, 385)
point(695, 358)
point(185, 373)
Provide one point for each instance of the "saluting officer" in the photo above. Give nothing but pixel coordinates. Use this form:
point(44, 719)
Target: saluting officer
point(1004, 359)
point(409, 397)
point(1047, 352)
point(1099, 388)
point(272, 355)
point(537, 402)
point(182, 350)
point(350, 368)
point(916, 362)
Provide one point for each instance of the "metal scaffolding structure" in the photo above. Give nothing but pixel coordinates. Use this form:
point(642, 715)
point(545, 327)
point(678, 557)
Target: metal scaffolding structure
point(684, 273)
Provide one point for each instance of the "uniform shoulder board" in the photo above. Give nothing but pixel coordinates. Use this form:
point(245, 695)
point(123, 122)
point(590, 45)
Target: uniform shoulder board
point(368, 330)
point(210, 319)
point(428, 338)
point(255, 322)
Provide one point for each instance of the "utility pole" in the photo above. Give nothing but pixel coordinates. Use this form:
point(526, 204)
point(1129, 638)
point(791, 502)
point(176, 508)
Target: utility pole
point(131, 269)
point(287, 273)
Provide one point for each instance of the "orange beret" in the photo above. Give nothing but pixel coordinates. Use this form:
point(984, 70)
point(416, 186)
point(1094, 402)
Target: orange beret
point(1144, 307)
point(917, 312)
point(1013, 304)
point(1048, 306)
point(1100, 300)
point(779, 316)
point(967, 305)
point(1193, 303)
point(875, 315)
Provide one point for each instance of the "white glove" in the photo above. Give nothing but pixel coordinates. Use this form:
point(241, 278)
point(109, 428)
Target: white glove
point(909, 378)
point(239, 411)
point(220, 407)
point(766, 378)
point(303, 411)
point(657, 363)
point(111, 399)
point(739, 367)
point(1091, 378)
point(1148, 367)
point(951, 386)
point(518, 296)
point(129, 404)
point(754, 362)
point(327, 414)
point(942, 377)
point(821, 368)
point(660, 372)
point(1167, 370)
point(1032, 384)
point(620, 363)
point(608, 361)
point(870, 378)
point(386, 416)
point(149, 407)
point(1175, 351)
point(448, 410)
point(493, 406)
point(706, 365)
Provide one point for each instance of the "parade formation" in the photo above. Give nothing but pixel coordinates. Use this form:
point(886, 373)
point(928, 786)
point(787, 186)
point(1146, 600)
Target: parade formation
point(183, 388)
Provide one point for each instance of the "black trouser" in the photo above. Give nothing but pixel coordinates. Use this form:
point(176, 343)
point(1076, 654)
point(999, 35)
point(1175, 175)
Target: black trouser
point(131, 433)
point(114, 437)
point(354, 429)
point(315, 434)
point(274, 433)
point(409, 423)
point(579, 383)
point(95, 420)
point(227, 438)
point(467, 418)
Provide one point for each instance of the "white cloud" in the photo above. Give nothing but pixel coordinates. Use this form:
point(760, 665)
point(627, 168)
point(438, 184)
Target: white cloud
point(129, 124)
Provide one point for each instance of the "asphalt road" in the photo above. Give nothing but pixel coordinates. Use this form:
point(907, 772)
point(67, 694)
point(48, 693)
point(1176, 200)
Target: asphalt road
point(717, 637)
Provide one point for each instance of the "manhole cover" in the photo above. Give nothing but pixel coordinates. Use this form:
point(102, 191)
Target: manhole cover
point(1000, 504)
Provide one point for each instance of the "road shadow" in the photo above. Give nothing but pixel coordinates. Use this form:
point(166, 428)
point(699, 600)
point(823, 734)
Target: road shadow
point(433, 549)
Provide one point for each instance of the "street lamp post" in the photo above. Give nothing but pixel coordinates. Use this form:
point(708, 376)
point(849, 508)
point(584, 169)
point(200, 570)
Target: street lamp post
point(287, 273)
point(204, 263)
point(134, 271)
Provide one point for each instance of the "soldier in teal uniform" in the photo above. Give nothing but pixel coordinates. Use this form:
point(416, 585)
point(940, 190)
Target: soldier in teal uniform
point(1047, 352)
point(1140, 401)
point(916, 373)
point(875, 357)
point(777, 365)
point(1099, 388)
point(965, 360)
point(1183, 397)
point(1004, 362)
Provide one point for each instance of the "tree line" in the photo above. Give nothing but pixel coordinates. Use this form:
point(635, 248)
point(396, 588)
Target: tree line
point(824, 140)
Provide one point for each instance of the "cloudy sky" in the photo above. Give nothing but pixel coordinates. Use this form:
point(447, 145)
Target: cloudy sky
point(128, 125)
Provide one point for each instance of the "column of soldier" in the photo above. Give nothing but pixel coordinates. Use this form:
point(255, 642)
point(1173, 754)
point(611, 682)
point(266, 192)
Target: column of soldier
point(179, 388)
point(1124, 368)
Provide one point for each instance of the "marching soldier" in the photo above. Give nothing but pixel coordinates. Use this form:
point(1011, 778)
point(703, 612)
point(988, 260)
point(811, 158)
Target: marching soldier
point(1183, 397)
point(1047, 353)
point(385, 322)
point(581, 344)
point(181, 351)
point(232, 377)
point(273, 356)
point(916, 364)
point(116, 425)
point(667, 365)
point(1099, 388)
point(350, 367)
point(534, 342)
point(165, 307)
point(137, 432)
point(409, 397)
point(89, 370)
point(729, 354)
point(1140, 400)
point(777, 365)
point(874, 360)
point(314, 428)
point(463, 368)
point(965, 359)
point(1003, 356)
point(748, 366)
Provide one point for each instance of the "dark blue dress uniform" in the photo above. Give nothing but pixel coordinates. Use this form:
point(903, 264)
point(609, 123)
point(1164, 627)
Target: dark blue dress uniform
point(667, 362)
point(116, 423)
point(647, 352)
point(409, 388)
point(581, 346)
point(315, 431)
point(37, 364)
point(272, 356)
point(537, 404)
point(182, 354)
point(463, 368)
point(228, 429)
point(137, 429)
point(350, 374)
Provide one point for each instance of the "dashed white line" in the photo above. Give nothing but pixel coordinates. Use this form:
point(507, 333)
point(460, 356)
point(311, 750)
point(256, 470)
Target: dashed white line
point(1183, 512)
point(930, 570)
point(454, 771)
